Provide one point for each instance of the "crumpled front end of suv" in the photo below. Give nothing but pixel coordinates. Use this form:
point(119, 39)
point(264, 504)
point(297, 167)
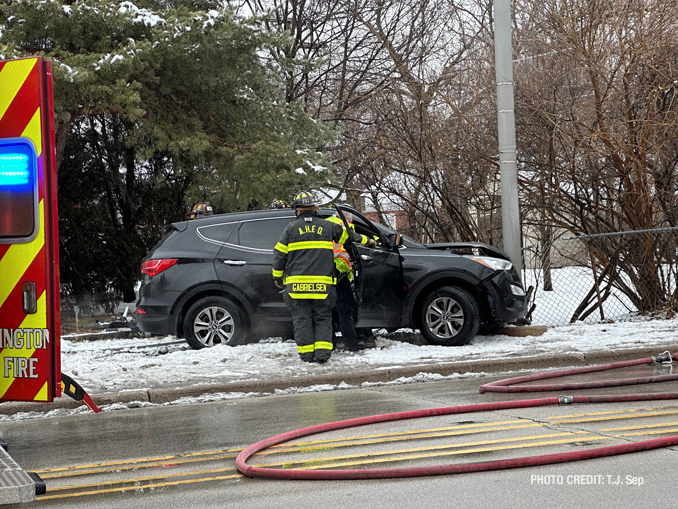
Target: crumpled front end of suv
point(484, 271)
point(505, 297)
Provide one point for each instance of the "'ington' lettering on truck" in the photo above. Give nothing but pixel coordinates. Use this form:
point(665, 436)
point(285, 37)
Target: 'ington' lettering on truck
point(29, 339)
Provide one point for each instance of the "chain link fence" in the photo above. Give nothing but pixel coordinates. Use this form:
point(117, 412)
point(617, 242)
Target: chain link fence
point(594, 278)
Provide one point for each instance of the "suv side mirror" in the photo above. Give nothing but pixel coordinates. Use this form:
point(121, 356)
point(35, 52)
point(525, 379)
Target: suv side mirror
point(395, 240)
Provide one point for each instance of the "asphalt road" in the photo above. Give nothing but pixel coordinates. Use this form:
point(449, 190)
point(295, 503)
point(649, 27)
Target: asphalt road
point(183, 456)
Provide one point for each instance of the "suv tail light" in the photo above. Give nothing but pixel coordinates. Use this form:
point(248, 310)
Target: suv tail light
point(154, 267)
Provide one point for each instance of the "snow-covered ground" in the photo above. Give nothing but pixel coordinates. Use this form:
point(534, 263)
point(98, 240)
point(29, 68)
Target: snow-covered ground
point(127, 364)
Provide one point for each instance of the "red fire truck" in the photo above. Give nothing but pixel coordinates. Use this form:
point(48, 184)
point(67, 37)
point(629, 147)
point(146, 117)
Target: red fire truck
point(30, 353)
point(29, 246)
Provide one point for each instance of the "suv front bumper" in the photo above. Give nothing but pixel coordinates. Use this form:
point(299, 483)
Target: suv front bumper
point(505, 306)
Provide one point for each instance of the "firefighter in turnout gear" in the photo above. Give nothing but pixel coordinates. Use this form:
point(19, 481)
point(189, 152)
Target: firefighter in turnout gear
point(346, 303)
point(199, 210)
point(278, 204)
point(303, 265)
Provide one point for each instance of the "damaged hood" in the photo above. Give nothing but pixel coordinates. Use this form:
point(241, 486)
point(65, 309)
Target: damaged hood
point(470, 248)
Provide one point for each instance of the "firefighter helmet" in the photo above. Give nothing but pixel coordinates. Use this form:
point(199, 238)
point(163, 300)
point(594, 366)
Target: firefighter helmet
point(200, 209)
point(304, 199)
point(278, 204)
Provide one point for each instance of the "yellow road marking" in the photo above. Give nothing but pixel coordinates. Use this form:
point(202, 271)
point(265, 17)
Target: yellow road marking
point(397, 439)
point(450, 453)
point(611, 418)
point(361, 440)
point(656, 432)
point(132, 467)
point(292, 444)
point(191, 458)
point(138, 463)
point(402, 433)
point(433, 448)
point(148, 486)
point(624, 428)
point(280, 449)
point(140, 460)
point(312, 461)
point(142, 479)
point(611, 412)
point(449, 446)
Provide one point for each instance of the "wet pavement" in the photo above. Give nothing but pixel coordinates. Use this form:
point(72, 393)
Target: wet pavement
point(183, 455)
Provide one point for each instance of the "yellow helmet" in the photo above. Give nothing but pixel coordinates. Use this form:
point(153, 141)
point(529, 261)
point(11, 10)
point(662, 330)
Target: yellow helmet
point(278, 204)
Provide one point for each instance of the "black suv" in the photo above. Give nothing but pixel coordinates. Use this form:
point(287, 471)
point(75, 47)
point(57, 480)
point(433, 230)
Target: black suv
point(209, 280)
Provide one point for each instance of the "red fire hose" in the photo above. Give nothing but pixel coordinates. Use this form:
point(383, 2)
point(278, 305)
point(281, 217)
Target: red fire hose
point(501, 386)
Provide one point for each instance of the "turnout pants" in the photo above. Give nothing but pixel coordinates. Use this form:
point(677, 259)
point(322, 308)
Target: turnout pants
point(312, 320)
point(346, 306)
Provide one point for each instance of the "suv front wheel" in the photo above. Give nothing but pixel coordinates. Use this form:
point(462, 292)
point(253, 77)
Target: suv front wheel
point(449, 316)
point(212, 321)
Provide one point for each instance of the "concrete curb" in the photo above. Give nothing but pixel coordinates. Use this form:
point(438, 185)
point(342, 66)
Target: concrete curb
point(160, 396)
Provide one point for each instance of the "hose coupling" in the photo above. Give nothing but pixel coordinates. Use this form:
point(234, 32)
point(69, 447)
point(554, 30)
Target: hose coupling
point(664, 357)
point(565, 400)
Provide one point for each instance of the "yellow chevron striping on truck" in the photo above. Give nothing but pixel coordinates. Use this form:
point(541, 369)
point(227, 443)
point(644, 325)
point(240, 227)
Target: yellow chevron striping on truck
point(24, 335)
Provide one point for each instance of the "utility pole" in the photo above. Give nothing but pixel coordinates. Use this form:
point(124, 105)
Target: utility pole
point(508, 168)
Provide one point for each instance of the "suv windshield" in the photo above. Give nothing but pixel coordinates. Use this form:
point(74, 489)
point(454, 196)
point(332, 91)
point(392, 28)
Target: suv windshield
point(387, 231)
point(366, 227)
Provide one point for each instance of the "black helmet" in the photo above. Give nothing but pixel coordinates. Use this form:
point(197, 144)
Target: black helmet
point(304, 199)
point(278, 204)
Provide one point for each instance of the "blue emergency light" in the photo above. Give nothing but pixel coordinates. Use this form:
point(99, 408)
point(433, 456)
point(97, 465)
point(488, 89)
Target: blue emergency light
point(18, 164)
point(14, 169)
point(18, 191)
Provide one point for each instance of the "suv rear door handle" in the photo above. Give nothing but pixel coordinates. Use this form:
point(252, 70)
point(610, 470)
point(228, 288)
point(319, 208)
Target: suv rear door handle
point(235, 262)
point(366, 258)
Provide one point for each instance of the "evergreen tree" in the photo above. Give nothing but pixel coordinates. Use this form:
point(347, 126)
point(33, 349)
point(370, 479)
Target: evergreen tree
point(158, 105)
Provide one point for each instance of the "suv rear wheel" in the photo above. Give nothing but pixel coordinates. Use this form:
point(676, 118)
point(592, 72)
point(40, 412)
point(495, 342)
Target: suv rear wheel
point(212, 321)
point(449, 317)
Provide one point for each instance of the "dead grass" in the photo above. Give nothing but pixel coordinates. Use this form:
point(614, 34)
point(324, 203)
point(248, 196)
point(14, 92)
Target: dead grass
point(69, 325)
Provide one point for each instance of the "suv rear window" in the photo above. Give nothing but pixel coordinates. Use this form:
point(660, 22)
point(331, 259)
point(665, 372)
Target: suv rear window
point(262, 234)
point(218, 232)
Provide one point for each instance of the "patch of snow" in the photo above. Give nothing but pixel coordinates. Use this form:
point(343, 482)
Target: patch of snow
point(316, 167)
point(116, 365)
point(160, 362)
point(69, 70)
point(145, 16)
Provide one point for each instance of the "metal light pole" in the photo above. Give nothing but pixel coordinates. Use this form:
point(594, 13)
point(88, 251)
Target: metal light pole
point(503, 59)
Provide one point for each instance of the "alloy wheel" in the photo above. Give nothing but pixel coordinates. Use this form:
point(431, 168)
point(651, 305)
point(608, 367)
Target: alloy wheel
point(213, 325)
point(444, 317)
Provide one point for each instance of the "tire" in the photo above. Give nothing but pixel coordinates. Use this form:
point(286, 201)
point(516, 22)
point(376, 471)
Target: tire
point(212, 321)
point(449, 316)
